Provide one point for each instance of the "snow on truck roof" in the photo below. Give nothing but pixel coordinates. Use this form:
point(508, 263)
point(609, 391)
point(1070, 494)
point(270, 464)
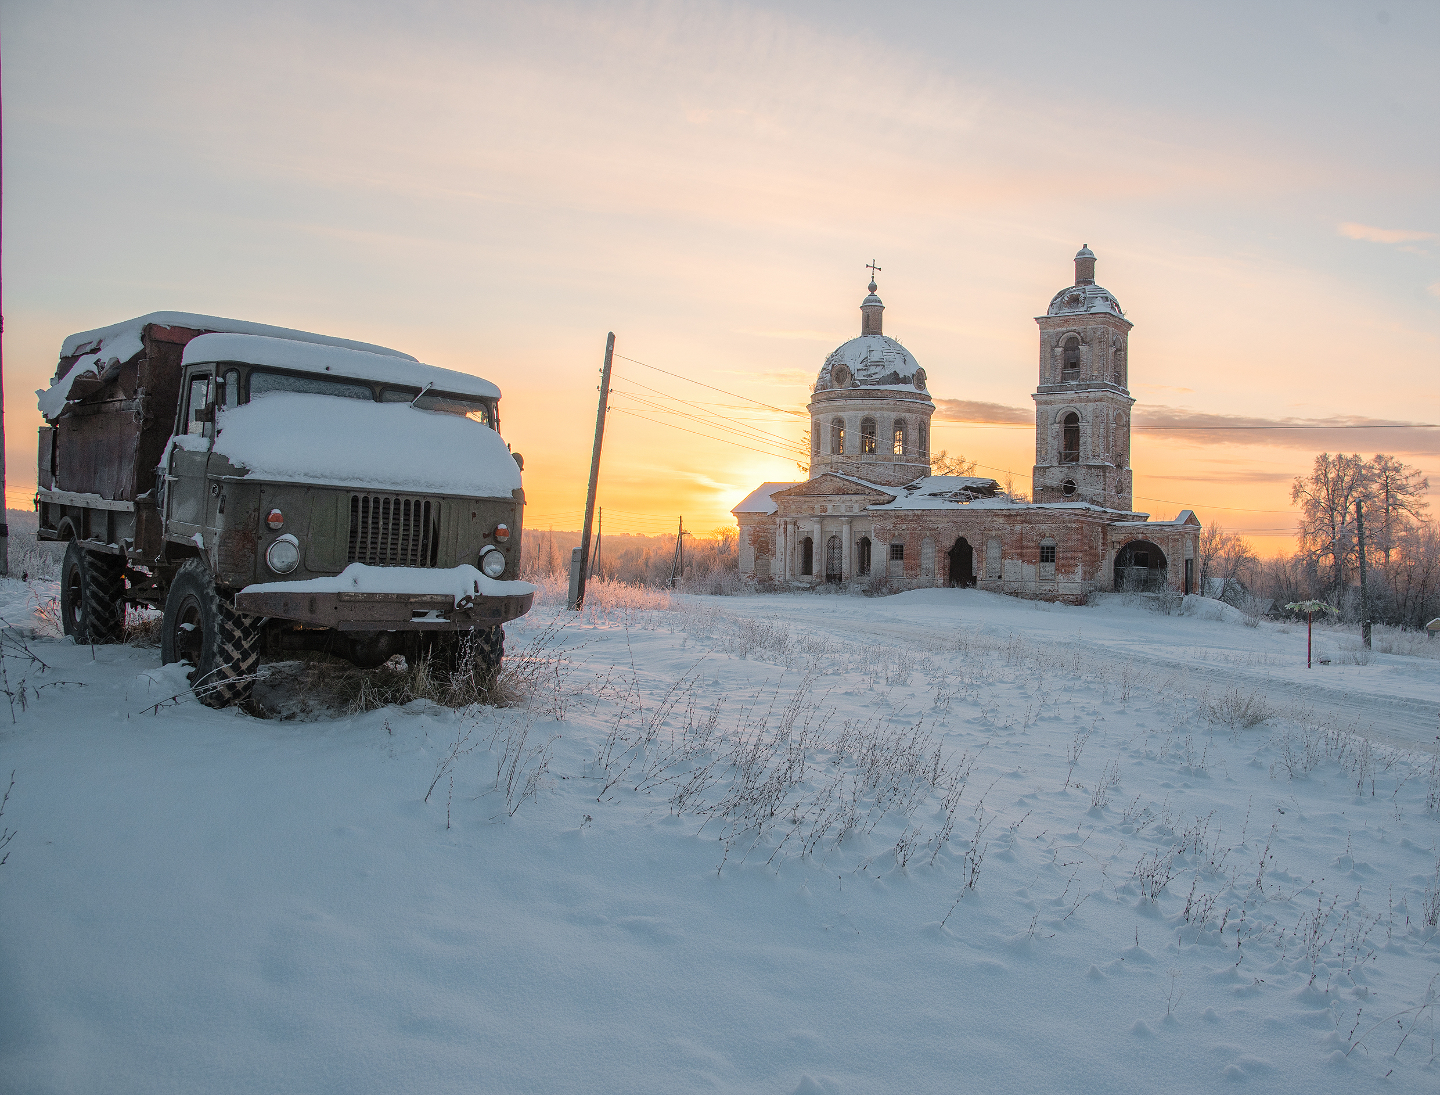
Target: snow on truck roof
point(121, 341)
point(284, 353)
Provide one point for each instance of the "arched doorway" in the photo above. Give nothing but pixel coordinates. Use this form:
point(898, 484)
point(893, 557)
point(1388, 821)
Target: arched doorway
point(1141, 567)
point(834, 559)
point(807, 556)
point(962, 563)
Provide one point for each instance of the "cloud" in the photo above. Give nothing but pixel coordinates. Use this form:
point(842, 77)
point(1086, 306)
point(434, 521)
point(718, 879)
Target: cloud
point(1336, 433)
point(980, 413)
point(1382, 235)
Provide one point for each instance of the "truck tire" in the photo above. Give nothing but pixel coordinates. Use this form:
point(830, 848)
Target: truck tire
point(92, 591)
point(202, 629)
point(479, 651)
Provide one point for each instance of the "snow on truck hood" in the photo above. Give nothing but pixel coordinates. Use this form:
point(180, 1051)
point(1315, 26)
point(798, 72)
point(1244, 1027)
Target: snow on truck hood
point(284, 353)
point(326, 441)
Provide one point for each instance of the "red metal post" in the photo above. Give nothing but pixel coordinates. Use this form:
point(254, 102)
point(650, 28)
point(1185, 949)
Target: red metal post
point(1308, 614)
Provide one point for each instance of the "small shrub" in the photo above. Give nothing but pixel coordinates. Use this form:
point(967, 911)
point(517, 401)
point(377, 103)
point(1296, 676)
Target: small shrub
point(1237, 710)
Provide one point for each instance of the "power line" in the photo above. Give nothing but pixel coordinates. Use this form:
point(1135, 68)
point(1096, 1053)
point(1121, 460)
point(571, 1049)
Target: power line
point(722, 391)
point(708, 437)
point(715, 422)
point(701, 407)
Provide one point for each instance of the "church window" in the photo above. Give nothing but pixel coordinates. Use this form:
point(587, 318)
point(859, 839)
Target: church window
point(867, 436)
point(897, 552)
point(1067, 488)
point(1047, 558)
point(807, 556)
point(899, 437)
point(1070, 447)
point(897, 561)
point(837, 436)
point(862, 556)
point(927, 558)
point(1071, 356)
point(924, 429)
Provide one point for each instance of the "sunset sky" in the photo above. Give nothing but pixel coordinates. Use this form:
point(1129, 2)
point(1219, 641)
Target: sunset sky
point(492, 188)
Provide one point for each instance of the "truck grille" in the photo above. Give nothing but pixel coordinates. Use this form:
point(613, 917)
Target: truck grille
point(394, 532)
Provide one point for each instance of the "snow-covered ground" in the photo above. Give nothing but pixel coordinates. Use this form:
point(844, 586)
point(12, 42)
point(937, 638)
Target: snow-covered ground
point(943, 841)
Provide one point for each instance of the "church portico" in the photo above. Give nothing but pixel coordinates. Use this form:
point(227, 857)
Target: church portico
point(871, 513)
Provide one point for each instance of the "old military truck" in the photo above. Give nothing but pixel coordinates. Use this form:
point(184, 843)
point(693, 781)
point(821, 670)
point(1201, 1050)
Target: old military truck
point(271, 490)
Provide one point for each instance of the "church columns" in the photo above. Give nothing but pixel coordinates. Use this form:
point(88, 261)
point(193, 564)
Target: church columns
point(846, 571)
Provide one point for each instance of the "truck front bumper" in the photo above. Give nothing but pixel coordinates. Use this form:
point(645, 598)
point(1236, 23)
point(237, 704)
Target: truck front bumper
point(385, 611)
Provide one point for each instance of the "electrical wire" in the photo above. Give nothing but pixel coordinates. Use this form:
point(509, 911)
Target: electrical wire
point(714, 421)
point(722, 391)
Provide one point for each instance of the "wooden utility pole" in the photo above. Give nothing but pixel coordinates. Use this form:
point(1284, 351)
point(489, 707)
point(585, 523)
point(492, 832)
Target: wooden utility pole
point(578, 601)
point(1364, 598)
point(677, 564)
point(599, 545)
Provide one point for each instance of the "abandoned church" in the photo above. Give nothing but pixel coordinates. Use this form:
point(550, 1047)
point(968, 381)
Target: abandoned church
point(871, 510)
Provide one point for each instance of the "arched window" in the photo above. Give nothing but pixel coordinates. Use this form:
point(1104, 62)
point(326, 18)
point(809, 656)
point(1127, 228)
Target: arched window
point(862, 556)
point(924, 441)
point(867, 436)
point(807, 556)
point(1070, 445)
point(899, 437)
point(1071, 357)
point(837, 439)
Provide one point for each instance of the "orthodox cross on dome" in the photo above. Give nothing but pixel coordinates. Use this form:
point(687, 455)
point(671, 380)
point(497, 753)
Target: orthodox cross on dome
point(873, 271)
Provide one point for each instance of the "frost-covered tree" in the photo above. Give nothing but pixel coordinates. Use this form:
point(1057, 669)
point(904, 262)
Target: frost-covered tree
point(1327, 499)
point(942, 463)
point(1226, 562)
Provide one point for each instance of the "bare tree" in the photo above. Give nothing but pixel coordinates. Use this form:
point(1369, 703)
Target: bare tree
point(944, 464)
point(1327, 509)
point(1396, 499)
point(1227, 563)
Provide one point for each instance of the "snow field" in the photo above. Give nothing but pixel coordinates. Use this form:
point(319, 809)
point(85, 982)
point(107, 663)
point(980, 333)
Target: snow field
point(933, 842)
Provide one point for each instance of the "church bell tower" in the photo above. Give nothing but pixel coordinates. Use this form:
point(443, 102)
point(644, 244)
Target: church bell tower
point(1082, 402)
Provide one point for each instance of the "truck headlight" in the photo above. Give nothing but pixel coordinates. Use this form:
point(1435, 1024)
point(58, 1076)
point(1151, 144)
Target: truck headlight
point(283, 555)
point(492, 562)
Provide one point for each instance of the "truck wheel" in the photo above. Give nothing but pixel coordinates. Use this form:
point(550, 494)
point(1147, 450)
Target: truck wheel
point(489, 646)
point(92, 588)
point(202, 629)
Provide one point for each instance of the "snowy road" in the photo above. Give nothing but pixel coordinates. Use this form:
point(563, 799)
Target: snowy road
point(1395, 700)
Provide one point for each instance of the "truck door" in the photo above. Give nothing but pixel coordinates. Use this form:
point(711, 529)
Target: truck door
point(224, 394)
point(186, 488)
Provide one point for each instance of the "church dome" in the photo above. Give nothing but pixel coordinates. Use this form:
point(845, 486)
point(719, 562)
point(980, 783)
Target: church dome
point(1075, 300)
point(1084, 297)
point(871, 361)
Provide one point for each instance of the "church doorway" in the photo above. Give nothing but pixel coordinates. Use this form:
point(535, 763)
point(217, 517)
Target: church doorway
point(1141, 567)
point(834, 559)
point(807, 556)
point(962, 563)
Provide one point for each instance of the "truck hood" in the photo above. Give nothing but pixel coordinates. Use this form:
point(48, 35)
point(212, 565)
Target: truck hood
point(296, 438)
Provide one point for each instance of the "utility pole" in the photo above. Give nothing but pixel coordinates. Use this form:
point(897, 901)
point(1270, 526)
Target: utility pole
point(1364, 598)
point(677, 564)
point(599, 543)
point(578, 600)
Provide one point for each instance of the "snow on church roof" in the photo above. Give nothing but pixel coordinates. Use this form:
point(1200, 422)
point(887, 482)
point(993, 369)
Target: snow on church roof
point(871, 361)
point(759, 500)
point(1076, 300)
point(940, 492)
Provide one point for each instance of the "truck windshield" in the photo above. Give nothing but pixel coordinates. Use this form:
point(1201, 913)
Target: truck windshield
point(476, 410)
point(262, 382)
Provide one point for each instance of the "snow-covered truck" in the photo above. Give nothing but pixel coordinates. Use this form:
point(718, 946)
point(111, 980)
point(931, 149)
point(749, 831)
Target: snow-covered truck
point(274, 490)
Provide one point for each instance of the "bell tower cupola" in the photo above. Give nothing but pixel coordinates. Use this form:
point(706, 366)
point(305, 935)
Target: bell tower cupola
point(1082, 401)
